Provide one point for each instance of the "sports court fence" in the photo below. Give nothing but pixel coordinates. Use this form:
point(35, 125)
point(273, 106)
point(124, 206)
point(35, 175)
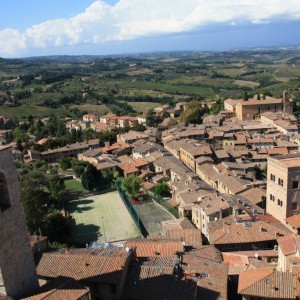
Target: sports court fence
point(122, 192)
point(171, 209)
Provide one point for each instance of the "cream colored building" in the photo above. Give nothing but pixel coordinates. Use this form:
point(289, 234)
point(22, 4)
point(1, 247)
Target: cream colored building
point(283, 186)
point(253, 108)
point(288, 252)
point(209, 208)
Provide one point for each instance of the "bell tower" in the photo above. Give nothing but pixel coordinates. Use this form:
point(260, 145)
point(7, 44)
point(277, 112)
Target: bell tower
point(17, 268)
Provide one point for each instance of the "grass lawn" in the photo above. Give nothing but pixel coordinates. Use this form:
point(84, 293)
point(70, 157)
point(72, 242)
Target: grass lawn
point(93, 108)
point(74, 186)
point(102, 218)
point(21, 112)
point(143, 106)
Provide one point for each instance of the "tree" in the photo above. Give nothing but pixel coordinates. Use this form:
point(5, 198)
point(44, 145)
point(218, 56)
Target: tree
point(151, 120)
point(56, 188)
point(57, 227)
point(132, 184)
point(193, 113)
point(162, 189)
point(34, 198)
point(65, 163)
point(78, 170)
point(116, 175)
point(258, 96)
point(216, 107)
point(92, 179)
point(246, 97)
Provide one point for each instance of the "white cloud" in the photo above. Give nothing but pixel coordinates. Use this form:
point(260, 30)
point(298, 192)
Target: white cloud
point(130, 19)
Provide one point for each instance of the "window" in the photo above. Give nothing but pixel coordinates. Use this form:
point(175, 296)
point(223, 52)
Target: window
point(280, 182)
point(4, 195)
point(295, 185)
point(272, 197)
point(272, 177)
point(294, 205)
point(279, 202)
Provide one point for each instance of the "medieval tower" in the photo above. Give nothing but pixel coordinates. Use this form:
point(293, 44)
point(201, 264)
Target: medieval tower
point(287, 102)
point(17, 268)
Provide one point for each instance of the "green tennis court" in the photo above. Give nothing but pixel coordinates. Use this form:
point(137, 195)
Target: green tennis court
point(102, 218)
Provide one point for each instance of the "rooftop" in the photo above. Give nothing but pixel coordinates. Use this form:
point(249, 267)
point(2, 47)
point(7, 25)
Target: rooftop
point(267, 283)
point(97, 265)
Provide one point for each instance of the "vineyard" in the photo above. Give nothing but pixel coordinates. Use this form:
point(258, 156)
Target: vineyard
point(38, 98)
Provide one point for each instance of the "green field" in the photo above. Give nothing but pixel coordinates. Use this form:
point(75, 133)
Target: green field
point(22, 112)
point(74, 186)
point(143, 106)
point(102, 218)
point(93, 108)
point(171, 89)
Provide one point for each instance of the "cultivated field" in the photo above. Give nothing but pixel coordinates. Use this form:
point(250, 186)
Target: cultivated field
point(101, 218)
point(22, 112)
point(93, 108)
point(143, 106)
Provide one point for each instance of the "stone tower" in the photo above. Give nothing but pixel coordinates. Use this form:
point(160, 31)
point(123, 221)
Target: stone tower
point(17, 268)
point(287, 102)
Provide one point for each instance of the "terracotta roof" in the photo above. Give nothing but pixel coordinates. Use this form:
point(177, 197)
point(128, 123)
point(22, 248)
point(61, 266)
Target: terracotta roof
point(267, 283)
point(181, 223)
point(289, 244)
point(60, 288)
point(148, 185)
point(98, 265)
point(129, 168)
point(294, 221)
point(155, 247)
point(246, 260)
point(268, 100)
point(154, 278)
point(190, 237)
point(211, 276)
point(254, 195)
point(229, 231)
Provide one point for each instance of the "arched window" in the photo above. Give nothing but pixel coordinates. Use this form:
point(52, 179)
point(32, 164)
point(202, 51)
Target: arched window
point(4, 194)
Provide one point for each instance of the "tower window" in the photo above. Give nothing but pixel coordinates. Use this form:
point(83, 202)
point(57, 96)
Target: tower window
point(294, 205)
point(295, 185)
point(4, 195)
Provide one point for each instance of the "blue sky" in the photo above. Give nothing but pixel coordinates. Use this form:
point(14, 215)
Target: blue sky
point(48, 27)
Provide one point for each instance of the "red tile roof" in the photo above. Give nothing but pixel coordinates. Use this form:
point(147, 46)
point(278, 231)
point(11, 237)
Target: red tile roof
point(152, 247)
point(267, 283)
point(99, 265)
point(154, 278)
point(190, 237)
point(211, 276)
point(294, 221)
point(228, 231)
point(60, 288)
point(289, 244)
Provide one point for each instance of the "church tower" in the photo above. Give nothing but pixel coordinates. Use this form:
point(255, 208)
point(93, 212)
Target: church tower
point(17, 268)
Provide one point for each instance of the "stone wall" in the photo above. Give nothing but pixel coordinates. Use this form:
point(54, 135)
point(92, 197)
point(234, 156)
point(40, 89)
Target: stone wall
point(16, 260)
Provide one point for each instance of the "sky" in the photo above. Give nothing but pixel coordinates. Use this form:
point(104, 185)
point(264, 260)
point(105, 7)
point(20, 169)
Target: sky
point(102, 27)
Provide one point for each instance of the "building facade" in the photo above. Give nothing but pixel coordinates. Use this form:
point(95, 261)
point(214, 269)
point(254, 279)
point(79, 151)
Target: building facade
point(283, 186)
